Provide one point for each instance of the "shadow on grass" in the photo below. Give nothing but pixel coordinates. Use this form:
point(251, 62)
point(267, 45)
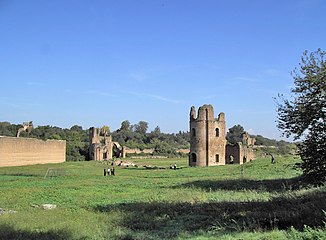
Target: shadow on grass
point(167, 220)
point(21, 174)
point(10, 233)
point(273, 185)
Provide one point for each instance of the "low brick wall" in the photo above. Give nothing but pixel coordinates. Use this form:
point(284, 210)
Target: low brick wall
point(138, 151)
point(27, 151)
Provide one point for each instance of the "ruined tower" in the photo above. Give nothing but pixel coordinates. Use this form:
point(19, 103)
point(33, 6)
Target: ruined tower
point(207, 137)
point(101, 146)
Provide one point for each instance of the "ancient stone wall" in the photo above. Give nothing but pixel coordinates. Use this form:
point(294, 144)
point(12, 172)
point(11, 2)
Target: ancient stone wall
point(236, 152)
point(241, 153)
point(27, 151)
point(248, 140)
point(138, 151)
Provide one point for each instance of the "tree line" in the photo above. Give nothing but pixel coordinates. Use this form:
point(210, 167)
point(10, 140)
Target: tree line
point(132, 136)
point(135, 136)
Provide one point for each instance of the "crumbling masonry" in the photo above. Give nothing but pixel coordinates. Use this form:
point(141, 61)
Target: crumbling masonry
point(208, 145)
point(102, 147)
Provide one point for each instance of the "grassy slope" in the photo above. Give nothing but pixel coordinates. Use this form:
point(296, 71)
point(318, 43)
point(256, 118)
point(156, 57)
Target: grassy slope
point(258, 200)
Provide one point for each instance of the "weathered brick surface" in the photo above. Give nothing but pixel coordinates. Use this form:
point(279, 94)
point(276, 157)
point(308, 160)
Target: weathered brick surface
point(27, 151)
point(208, 145)
point(208, 137)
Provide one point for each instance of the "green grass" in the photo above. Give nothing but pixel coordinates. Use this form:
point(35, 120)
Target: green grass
point(258, 200)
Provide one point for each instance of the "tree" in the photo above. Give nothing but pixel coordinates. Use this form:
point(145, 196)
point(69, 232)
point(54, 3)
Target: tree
point(105, 130)
point(76, 128)
point(303, 116)
point(234, 134)
point(141, 127)
point(125, 126)
point(157, 131)
point(6, 129)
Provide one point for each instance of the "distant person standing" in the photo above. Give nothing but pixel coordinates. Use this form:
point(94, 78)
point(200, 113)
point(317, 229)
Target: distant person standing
point(272, 159)
point(104, 172)
point(231, 158)
point(113, 171)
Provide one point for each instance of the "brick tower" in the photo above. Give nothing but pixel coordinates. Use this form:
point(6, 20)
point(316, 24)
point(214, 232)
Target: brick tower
point(207, 137)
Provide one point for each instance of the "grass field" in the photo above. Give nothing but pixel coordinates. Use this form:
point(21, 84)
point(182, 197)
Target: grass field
point(258, 200)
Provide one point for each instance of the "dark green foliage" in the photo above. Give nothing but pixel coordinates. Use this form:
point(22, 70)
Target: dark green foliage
point(308, 105)
point(125, 126)
point(76, 151)
point(169, 142)
point(76, 128)
point(157, 131)
point(7, 129)
point(313, 154)
point(141, 127)
point(304, 115)
point(163, 148)
point(234, 135)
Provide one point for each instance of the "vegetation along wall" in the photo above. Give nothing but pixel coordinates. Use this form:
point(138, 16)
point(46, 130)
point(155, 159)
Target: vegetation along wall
point(27, 151)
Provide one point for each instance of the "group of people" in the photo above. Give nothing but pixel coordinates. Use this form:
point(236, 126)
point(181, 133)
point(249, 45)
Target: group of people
point(109, 171)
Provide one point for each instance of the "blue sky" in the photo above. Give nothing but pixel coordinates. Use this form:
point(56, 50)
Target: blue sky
point(95, 63)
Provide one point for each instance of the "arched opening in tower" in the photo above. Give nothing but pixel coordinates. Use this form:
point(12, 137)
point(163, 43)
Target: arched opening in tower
point(217, 132)
point(193, 132)
point(217, 158)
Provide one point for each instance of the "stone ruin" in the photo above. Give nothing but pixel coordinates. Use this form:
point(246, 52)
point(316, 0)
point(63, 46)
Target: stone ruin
point(208, 145)
point(241, 151)
point(27, 127)
point(102, 147)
